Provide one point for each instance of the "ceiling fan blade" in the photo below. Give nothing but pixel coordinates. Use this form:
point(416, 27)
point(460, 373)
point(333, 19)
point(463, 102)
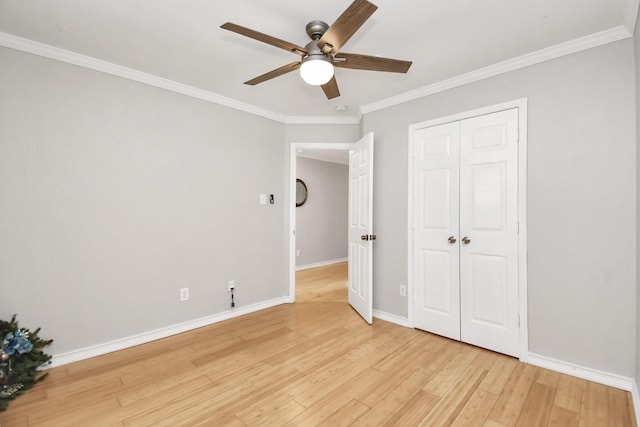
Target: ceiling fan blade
point(346, 25)
point(331, 88)
point(274, 73)
point(273, 41)
point(373, 63)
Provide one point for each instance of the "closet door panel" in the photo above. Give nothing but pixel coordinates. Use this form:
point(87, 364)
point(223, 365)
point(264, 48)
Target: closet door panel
point(436, 224)
point(488, 230)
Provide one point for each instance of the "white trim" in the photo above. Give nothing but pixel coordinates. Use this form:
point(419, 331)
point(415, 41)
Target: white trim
point(562, 49)
point(29, 46)
point(553, 52)
point(120, 344)
point(521, 105)
point(636, 401)
point(523, 238)
point(392, 318)
point(321, 120)
point(321, 264)
point(293, 153)
point(601, 377)
point(631, 15)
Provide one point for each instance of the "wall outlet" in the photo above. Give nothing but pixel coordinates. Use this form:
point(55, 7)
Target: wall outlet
point(403, 291)
point(232, 285)
point(184, 294)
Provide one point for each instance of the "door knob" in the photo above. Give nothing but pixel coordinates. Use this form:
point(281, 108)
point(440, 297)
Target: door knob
point(364, 237)
point(466, 240)
point(452, 240)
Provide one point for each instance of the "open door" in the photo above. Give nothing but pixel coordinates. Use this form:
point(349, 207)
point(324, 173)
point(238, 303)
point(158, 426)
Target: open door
point(361, 227)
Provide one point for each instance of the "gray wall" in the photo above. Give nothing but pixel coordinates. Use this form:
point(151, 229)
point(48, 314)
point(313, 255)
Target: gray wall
point(321, 223)
point(321, 133)
point(581, 200)
point(114, 194)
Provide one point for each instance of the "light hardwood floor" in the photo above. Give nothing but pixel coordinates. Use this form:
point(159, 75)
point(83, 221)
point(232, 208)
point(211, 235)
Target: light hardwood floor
point(313, 363)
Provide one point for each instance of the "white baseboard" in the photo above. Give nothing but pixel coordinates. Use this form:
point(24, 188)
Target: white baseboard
point(601, 377)
point(321, 264)
point(100, 349)
point(402, 321)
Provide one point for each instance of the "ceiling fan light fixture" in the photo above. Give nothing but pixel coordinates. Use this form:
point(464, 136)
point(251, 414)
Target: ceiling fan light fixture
point(316, 70)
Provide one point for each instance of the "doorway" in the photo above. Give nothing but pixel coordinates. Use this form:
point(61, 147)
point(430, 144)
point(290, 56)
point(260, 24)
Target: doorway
point(318, 148)
point(360, 222)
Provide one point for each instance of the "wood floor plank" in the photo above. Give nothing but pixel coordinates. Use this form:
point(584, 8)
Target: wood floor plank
point(392, 378)
point(569, 393)
point(451, 403)
point(386, 408)
point(507, 409)
point(414, 410)
point(620, 407)
point(346, 415)
point(322, 409)
point(499, 374)
point(449, 374)
point(537, 406)
point(190, 379)
point(476, 409)
point(273, 412)
point(595, 405)
point(313, 363)
point(563, 417)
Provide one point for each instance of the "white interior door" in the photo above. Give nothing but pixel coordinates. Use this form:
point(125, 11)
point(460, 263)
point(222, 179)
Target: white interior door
point(488, 230)
point(360, 227)
point(465, 230)
point(435, 229)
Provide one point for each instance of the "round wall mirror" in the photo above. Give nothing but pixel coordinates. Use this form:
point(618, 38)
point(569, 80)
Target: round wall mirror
point(301, 192)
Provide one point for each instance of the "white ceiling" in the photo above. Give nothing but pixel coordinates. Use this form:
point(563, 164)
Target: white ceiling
point(181, 40)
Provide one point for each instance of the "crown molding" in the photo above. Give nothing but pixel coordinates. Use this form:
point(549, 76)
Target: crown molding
point(631, 15)
point(346, 120)
point(553, 52)
point(58, 54)
point(567, 48)
point(74, 58)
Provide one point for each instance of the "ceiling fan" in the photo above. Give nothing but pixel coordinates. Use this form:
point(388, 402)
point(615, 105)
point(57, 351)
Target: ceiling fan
point(320, 56)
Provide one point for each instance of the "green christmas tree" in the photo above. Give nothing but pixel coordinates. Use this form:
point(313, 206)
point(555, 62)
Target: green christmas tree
point(21, 356)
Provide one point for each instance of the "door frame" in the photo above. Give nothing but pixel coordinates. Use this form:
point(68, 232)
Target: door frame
point(521, 105)
point(293, 169)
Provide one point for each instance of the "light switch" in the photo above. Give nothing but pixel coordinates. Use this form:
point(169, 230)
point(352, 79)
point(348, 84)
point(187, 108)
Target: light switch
point(263, 199)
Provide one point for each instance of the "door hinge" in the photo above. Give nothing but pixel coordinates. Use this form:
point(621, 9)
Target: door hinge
point(517, 227)
point(518, 320)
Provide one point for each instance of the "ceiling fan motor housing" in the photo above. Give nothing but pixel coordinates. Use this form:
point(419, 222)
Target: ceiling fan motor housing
point(315, 29)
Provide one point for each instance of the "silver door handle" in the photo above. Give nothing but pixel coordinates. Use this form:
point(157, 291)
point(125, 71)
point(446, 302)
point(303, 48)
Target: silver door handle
point(466, 240)
point(452, 240)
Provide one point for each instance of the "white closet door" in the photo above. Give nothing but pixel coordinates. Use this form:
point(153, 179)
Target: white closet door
point(488, 231)
point(436, 224)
